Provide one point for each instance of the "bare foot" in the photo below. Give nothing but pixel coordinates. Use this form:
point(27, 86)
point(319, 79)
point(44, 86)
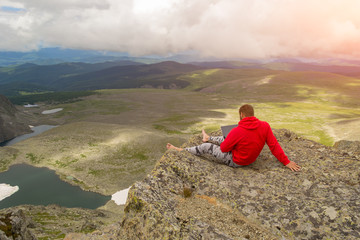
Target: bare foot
point(170, 146)
point(205, 136)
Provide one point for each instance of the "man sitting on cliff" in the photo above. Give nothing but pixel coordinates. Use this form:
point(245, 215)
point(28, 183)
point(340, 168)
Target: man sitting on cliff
point(243, 144)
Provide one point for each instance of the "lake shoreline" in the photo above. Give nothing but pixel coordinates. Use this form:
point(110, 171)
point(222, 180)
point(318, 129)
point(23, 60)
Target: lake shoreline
point(36, 130)
point(68, 179)
point(42, 178)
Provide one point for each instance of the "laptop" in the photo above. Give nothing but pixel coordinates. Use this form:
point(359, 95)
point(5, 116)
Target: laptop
point(226, 129)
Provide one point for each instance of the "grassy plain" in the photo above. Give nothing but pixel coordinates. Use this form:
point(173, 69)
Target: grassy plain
point(109, 140)
point(324, 107)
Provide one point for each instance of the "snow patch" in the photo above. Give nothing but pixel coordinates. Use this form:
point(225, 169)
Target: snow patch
point(120, 197)
point(6, 190)
point(52, 111)
point(31, 105)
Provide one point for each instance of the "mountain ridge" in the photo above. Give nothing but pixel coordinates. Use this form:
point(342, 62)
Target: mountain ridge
point(85, 76)
point(77, 76)
point(154, 75)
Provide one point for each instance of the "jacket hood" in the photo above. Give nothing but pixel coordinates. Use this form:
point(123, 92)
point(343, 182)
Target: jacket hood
point(249, 123)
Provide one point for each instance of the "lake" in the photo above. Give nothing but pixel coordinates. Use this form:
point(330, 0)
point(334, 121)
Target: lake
point(41, 186)
point(36, 131)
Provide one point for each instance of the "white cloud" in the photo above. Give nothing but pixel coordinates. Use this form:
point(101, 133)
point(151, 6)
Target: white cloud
point(222, 28)
point(11, 4)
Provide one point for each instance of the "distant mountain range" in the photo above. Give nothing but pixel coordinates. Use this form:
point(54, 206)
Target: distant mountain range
point(80, 76)
point(47, 56)
point(353, 70)
point(158, 75)
point(84, 76)
point(38, 78)
point(56, 55)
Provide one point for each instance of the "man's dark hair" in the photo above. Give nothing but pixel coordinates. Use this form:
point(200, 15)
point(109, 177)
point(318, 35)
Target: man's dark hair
point(247, 110)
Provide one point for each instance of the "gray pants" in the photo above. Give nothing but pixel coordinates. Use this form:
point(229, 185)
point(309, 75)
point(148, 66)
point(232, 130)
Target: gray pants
point(214, 150)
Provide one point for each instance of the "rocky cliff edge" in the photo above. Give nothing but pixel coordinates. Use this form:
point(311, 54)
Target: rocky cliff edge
point(190, 197)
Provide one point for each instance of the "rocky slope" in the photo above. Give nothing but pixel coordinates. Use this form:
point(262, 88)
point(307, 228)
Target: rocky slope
point(14, 225)
point(11, 124)
point(190, 197)
point(52, 222)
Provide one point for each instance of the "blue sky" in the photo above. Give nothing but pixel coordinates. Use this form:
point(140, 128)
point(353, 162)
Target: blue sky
point(213, 28)
point(11, 9)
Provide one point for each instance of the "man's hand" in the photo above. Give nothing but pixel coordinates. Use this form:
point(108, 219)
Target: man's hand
point(293, 166)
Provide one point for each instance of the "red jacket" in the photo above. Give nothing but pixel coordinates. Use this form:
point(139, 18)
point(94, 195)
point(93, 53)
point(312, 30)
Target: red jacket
point(248, 139)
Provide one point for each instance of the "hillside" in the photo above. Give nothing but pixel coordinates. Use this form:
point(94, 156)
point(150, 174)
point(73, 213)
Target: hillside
point(353, 70)
point(36, 78)
point(319, 105)
point(158, 75)
point(343, 67)
point(268, 83)
point(83, 76)
point(11, 124)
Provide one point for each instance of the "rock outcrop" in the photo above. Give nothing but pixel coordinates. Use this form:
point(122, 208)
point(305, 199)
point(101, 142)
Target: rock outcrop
point(190, 197)
point(54, 222)
point(11, 124)
point(15, 225)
